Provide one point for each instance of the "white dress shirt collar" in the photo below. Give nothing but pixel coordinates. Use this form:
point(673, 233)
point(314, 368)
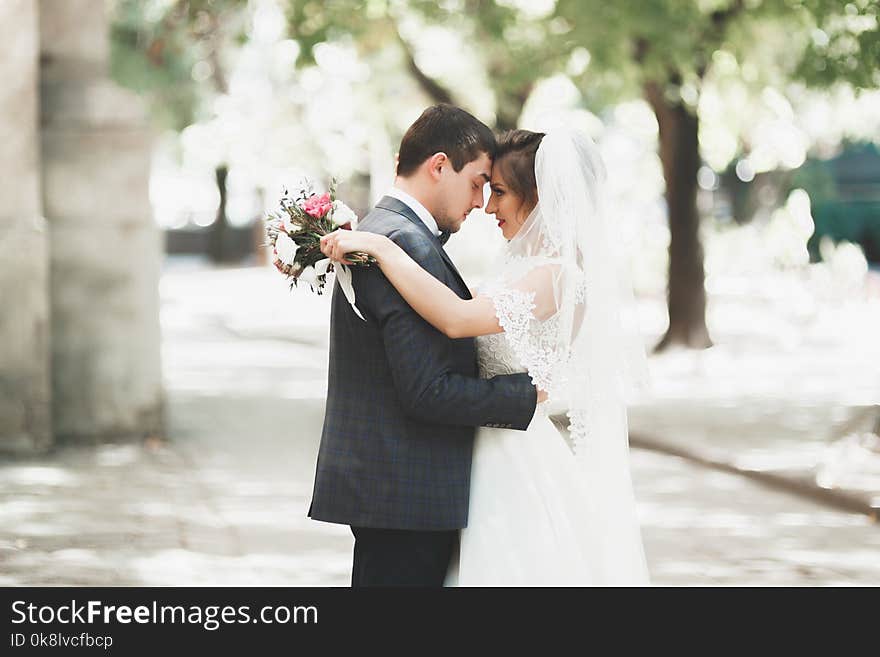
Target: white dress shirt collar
point(418, 208)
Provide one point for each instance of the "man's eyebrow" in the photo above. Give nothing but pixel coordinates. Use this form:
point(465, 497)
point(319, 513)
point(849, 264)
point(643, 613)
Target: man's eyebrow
point(486, 176)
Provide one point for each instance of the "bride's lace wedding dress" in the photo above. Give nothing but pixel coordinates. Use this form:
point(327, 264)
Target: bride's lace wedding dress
point(533, 519)
point(539, 514)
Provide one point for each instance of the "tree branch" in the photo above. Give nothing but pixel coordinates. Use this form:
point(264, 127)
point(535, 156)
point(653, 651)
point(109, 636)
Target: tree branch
point(718, 22)
point(640, 50)
point(437, 92)
point(721, 17)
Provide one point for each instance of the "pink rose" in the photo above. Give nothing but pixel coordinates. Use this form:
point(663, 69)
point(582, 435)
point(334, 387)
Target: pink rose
point(317, 206)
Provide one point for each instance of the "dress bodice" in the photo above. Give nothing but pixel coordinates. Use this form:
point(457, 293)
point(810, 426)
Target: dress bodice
point(496, 356)
point(495, 353)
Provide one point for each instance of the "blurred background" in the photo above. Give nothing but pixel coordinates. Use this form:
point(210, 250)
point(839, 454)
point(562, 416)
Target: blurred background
point(162, 391)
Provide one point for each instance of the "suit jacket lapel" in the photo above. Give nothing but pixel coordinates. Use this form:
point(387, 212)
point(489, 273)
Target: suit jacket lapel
point(401, 208)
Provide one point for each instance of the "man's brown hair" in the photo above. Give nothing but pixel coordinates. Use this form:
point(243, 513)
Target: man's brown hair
point(447, 129)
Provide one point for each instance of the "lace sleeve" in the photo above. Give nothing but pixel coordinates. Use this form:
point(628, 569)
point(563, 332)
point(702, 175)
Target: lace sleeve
point(532, 339)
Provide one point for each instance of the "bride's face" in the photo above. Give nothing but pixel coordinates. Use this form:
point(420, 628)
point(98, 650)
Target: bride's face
point(510, 209)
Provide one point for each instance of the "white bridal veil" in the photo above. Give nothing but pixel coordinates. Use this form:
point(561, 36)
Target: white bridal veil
point(565, 301)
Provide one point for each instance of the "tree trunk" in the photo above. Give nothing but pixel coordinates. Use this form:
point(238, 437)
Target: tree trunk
point(510, 108)
point(217, 240)
point(679, 153)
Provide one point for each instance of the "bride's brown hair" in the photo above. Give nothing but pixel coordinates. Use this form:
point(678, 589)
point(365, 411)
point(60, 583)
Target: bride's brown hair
point(516, 158)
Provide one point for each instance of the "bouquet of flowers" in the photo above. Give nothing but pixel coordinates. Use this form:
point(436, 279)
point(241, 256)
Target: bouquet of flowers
point(294, 233)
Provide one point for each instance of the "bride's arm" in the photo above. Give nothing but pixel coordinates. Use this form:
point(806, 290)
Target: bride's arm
point(437, 304)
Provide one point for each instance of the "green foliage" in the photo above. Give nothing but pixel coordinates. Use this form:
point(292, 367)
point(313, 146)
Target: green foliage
point(170, 51)
point(671, 42)
point(844, 44)
point(158, 45)
point(515, 50)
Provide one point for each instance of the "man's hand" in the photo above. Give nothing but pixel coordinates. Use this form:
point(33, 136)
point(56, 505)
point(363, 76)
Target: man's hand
point(542, 395)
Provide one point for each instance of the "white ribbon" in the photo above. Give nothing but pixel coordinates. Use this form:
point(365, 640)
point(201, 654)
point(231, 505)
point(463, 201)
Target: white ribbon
point(343, 275)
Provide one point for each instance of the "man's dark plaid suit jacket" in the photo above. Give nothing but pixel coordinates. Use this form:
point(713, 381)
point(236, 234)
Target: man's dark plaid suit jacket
point(404, 400)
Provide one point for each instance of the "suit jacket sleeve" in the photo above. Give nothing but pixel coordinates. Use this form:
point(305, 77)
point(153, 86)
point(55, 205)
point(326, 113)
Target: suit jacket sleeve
point(420, 356)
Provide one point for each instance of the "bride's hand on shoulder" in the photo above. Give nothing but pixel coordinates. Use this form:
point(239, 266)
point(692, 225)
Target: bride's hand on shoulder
point(336, 244)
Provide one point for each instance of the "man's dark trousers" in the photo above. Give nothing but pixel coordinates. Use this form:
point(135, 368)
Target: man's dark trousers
point(401, 557)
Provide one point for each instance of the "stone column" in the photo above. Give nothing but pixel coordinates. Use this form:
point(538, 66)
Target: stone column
point(105, 247)
point(25, 406)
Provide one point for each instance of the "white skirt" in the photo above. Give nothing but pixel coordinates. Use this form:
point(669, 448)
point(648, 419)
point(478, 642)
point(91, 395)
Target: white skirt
point(534, 521)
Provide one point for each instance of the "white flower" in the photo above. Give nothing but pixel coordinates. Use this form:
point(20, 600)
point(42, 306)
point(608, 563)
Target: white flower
point(308, 276)
point(342, 214)
point(285, 248)
point(287, 223)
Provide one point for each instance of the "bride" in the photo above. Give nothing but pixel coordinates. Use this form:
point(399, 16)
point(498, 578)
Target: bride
point(547, 507)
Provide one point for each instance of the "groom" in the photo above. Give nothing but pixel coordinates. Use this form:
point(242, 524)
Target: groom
point(404, 400)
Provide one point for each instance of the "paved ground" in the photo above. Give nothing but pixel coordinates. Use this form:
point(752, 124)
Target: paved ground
point(230, 510)
point(223, 501)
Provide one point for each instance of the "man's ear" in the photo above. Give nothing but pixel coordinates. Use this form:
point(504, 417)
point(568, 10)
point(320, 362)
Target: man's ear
point(436, 163)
